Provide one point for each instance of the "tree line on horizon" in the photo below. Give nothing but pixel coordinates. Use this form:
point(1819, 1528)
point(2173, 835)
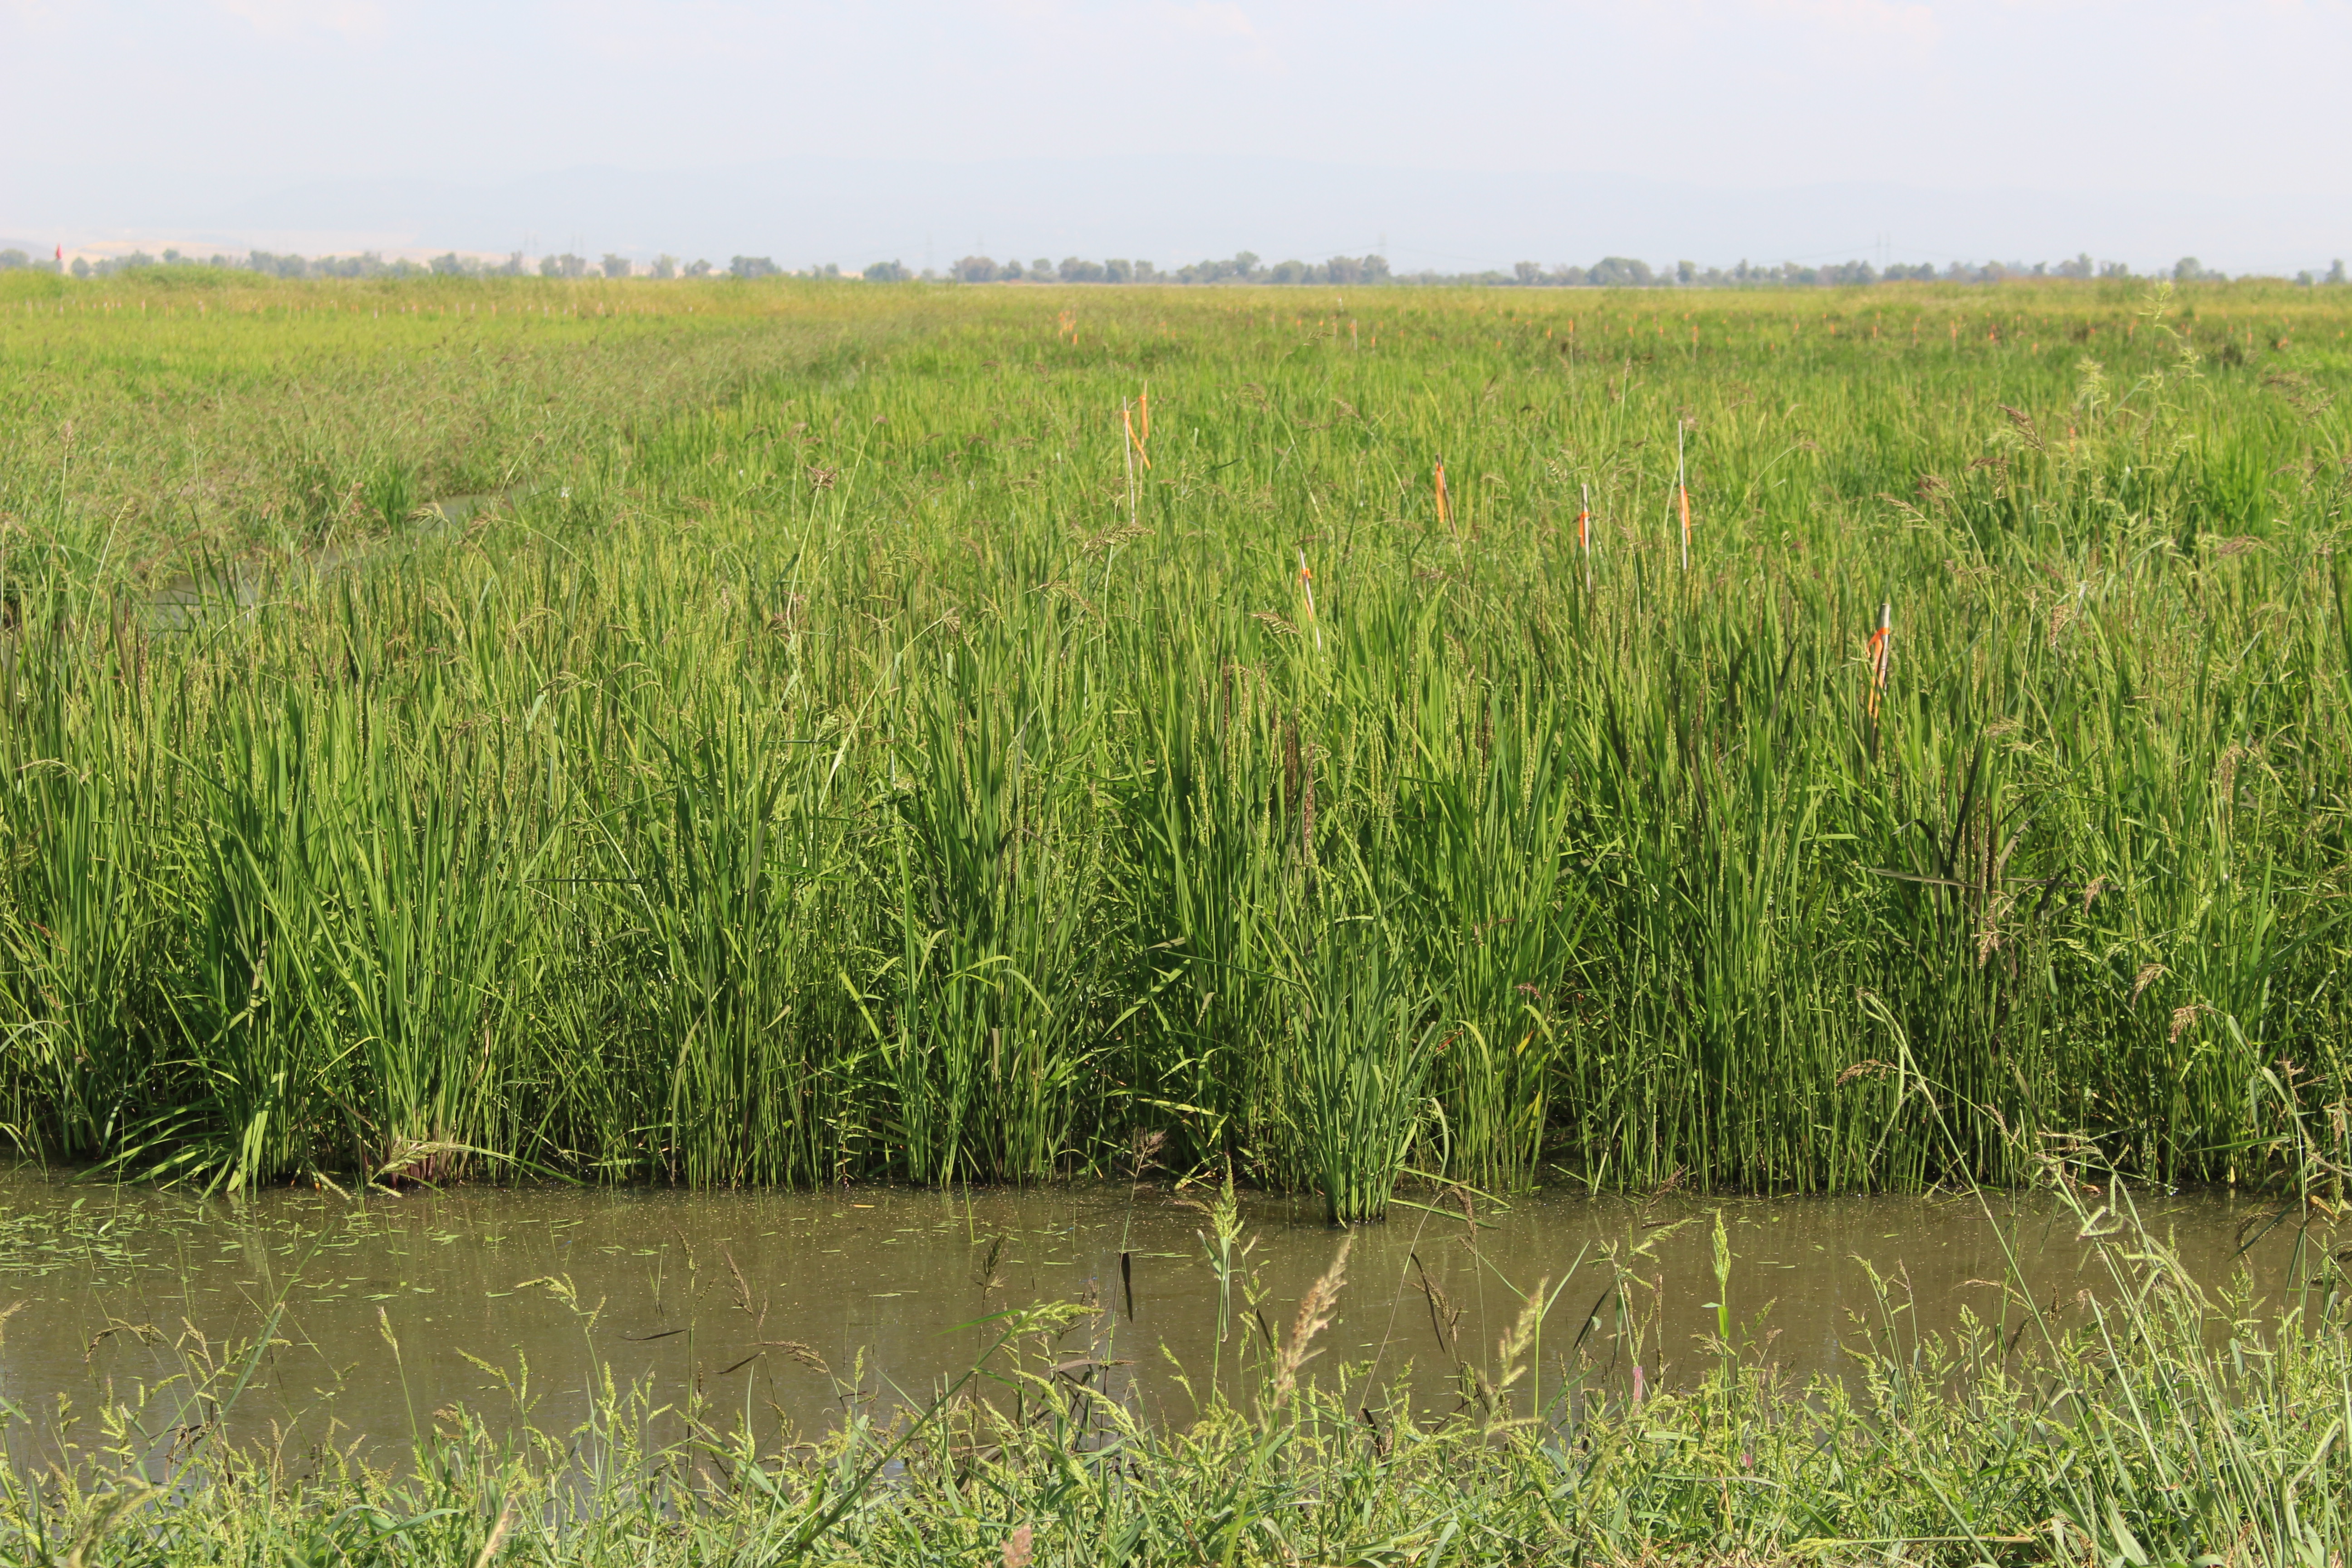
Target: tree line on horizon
point(1244, 266)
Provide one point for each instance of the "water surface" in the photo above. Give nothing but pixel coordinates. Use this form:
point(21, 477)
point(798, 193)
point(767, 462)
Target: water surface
point(781, 1306)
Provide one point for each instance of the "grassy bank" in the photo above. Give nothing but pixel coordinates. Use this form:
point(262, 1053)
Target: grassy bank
point(899, 771)
point(2151, 1420)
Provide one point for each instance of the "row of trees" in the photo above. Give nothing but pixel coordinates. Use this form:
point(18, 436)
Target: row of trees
point(1244, 267)
point(1610, 272)
point(370, 263)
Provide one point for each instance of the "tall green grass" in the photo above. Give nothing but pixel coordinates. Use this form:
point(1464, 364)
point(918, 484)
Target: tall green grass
point(834, 784)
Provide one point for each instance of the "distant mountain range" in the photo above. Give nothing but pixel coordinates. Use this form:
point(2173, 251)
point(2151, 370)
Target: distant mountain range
point(1167, 208)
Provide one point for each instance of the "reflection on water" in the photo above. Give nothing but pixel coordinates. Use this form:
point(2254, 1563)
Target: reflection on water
point(186, 601)
point(507, 1300)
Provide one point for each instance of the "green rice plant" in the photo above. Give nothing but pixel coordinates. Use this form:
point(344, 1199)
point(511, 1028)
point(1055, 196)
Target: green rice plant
point(1483, 834)
point(82, 935)
point(995, 982)
point(421, 882)
point(1213, 872)
point(1357, 1057)
point(260, 1012)
point(725, 888)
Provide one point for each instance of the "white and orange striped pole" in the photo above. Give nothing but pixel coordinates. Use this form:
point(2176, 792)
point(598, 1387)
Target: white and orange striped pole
point(1307, 588)
point(1445, 507)
point(1882, 654)
point(1682, 490)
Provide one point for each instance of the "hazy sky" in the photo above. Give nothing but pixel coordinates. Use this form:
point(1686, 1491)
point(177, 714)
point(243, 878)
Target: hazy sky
point(2171, 98)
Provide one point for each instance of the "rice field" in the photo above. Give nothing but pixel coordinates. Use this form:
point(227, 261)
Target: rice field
point(1790, 740)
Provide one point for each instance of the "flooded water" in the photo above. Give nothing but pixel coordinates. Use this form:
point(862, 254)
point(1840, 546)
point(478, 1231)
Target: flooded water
point(783, 1306)
point(186, 601)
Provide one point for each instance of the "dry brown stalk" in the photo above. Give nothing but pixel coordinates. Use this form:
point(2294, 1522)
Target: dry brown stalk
point(1315, 1311)
point(498, 1533)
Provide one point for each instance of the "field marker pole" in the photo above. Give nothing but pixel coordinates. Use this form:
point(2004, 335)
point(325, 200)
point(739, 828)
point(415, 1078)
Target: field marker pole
point(1584, 535)
point(1445, 509)
point(1880, 656)
point(1137, 445)
point(1682, 490)
point(1127, 450)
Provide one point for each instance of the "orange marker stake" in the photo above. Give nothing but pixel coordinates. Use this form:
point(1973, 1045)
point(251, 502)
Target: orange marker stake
point(1126, 416)
point(1682, 492)
point(1136, 445)
point(1882, 652)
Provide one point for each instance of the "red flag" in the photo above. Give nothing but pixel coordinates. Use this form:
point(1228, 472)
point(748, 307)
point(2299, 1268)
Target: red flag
point(61, 253)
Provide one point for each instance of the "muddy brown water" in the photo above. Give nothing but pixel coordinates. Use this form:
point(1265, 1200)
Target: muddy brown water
point(516, 1302)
